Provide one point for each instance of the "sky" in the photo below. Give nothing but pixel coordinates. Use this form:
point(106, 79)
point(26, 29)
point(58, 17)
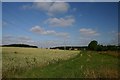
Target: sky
point(60, 0)
point(50, 24)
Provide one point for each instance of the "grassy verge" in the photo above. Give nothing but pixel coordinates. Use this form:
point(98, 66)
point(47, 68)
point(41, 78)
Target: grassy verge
point(84, 65)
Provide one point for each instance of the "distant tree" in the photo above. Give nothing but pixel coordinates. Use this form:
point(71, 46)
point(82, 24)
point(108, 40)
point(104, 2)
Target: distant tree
point(105, 48)
point(112, 47)
point(92, 45)
point(20, 45)
point(100, 47)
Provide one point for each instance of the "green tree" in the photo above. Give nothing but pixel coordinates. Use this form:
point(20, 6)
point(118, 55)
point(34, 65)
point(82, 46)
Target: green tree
point(93, 45)
point(100, 47)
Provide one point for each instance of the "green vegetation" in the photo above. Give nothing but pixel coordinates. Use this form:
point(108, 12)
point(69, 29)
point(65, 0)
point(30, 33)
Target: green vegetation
point(93, 45)
point(17, 60)
point(20, 45)
point(45, 63)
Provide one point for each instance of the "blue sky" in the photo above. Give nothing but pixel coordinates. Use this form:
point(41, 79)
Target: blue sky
point(48, 24)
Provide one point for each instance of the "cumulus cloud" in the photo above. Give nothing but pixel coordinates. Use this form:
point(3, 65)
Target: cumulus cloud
point(61, 22)
point(58, 7)
point(88, 32)
point(41, 31)
point(10, 39)
point(50, 8)
point(42, 5)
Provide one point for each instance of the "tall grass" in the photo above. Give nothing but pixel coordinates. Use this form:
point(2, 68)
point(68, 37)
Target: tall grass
point(45, 63)
point(89, 65)
point(18, 60)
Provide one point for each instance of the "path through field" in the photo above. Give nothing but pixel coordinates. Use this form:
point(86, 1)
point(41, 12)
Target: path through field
point(16, 60)
point(45, 63)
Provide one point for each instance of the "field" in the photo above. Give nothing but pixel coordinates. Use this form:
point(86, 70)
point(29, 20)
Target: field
point(47, 63)
point(16, 60)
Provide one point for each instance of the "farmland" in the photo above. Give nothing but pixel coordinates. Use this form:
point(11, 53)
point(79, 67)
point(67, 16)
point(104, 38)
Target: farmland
point(20, 59)
point(48, 63)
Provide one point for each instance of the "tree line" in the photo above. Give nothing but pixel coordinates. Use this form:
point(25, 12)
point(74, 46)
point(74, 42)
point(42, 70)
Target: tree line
point(70, 47)
point(20, 45)
point(93, 45)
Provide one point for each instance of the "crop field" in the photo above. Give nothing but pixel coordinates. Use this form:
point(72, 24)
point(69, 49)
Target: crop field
point(16, 60)
point(48, 63)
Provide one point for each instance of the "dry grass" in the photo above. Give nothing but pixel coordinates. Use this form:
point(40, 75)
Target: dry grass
point(34, 62)
point(101, 73)
point(112, 53)
point(20, 59)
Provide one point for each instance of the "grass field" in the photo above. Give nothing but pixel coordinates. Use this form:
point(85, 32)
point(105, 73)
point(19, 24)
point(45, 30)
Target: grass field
point(46, 63)
point(17, 60)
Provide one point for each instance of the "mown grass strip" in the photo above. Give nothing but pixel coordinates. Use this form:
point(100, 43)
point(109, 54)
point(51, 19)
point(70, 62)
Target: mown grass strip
point(81, 66)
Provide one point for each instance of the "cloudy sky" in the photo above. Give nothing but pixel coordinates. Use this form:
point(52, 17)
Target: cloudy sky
point(47, 24)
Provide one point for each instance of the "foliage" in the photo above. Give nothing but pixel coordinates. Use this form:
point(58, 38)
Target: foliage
point(92, 45)
point(20, 45)
point(70, 47)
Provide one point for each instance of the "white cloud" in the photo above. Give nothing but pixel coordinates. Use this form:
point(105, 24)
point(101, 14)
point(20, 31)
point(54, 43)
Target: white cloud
point(10, 39)
point(41, 31)
point(42, 5)
point(61, 22)
point(50, 8)
point(58, 7)
point(88, 32)
point(37, 29)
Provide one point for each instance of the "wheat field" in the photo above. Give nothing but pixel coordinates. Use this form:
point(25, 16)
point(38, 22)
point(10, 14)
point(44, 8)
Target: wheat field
point(51, 63)
point(19, 59)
